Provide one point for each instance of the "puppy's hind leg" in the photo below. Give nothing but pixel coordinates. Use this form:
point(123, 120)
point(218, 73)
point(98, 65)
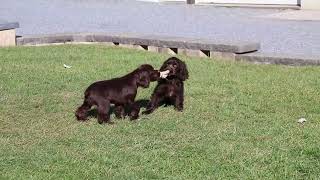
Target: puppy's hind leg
point(119, 112)
point(134, 111)
point(103, 107)
point(82, 111)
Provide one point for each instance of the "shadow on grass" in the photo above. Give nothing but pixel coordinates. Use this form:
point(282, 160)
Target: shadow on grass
point(142, 104)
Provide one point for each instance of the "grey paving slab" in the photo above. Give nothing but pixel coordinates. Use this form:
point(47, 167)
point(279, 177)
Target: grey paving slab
point(177, 20)
point(137, 39)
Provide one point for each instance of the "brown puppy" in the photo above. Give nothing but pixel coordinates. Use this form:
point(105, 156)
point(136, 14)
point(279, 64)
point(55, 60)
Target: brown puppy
point(118, 91)
point(170, 90)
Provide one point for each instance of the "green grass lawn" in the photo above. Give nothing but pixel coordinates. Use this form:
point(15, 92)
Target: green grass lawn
point(239, 122)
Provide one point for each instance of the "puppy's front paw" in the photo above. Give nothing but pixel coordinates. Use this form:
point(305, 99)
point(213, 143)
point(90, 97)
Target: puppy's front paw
point(132, 118)
point(110, 122)
point(149, 111)
point(180, 109)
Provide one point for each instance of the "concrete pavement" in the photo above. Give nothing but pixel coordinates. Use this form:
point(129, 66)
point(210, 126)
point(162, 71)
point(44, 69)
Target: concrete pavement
point(277, 35)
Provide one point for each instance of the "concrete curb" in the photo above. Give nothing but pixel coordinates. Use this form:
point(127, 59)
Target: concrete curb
point(291, 60)
point(145, 40)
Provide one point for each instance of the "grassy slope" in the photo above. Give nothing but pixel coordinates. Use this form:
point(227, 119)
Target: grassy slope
point(240, 120)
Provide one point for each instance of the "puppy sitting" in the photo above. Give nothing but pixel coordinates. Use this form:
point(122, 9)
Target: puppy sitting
point(118, 91)
point(170, 91)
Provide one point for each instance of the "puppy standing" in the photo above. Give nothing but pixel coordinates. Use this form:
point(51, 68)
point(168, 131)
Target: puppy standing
point(118, 91)
point(170, 90)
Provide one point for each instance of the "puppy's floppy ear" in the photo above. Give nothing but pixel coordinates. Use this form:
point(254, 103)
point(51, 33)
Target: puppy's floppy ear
point(183, 73)
point(164, 65)
point(143, 79)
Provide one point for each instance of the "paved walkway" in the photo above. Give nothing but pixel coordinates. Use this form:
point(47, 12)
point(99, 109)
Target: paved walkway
point(277, 35)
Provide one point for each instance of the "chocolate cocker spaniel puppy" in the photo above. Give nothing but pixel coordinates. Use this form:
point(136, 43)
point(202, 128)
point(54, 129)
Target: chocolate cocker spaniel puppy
point(118, 91)
point(170, 91)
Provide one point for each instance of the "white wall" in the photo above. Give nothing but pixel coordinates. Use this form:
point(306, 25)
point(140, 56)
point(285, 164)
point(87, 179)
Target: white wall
point(310, 4)
point(284, 2)
point(164, 0)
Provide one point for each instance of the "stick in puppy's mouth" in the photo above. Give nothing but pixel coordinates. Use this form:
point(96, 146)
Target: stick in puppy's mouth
point(164, 74)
